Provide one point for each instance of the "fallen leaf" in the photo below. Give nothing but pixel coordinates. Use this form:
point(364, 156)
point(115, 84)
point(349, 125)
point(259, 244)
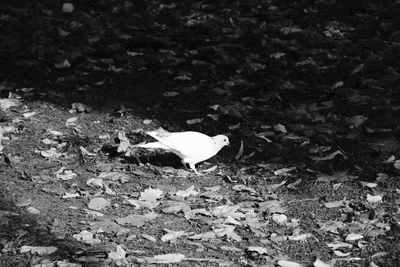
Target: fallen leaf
point(166, 258)
point(354, 237)
point(337, 85)
point(397, 164)
point(374, 199)
point(70, 195)
point(357, 69)
point(241, 187)
point(290, 29)
point(280, 128)
point(336, 177)
point(272, 206)
point(63, 64)
point(337, 245)
point(285, 263)
point(283, 171)
point(115, 176)
point(137, 220)
point(6, 103)
point(211, 169)
point(86, 237)
point(98, 203)
point(51, 153)
point(95, 182)
point(134, 54)
point(172, 236)
point(150, 195)
point(149, 237)
point(319, 263)
point(29, 114)
point(240, 152)
point(38, 250)
point(118, 254)
point(194, 121)
point(207, 236)
point(170, 94)
point(280, 219)
point(54, 132)
point(333, 226)
point(71, 121)
point(65, 174)
point(234, 127)
point(187, 193)
point(259, 250)
point(300, 237)
point(79, 107)
point(356, 121)
point(215, 117)
point(334, 204)
point(33, 210)
point(232, 249)
point(228, 231)
point(23, 202)
point(341, 254)
point(329, 157)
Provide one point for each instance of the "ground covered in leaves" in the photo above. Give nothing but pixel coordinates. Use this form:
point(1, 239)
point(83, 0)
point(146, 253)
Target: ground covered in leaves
point(307, 91)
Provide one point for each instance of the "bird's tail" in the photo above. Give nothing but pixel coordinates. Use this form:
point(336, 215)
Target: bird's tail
point(153, 145)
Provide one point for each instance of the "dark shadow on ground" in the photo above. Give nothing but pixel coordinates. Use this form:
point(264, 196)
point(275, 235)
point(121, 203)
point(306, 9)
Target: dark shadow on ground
point(226, 53)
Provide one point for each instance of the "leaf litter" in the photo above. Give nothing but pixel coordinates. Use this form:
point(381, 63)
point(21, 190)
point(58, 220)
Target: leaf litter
point(317, 120)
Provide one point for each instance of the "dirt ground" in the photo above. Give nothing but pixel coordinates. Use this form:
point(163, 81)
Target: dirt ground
point(308, 93)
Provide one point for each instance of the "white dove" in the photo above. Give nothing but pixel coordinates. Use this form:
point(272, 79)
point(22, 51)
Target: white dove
point(191, 147)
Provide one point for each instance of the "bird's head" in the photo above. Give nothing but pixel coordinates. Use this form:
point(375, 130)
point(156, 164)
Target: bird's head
point(221, 140)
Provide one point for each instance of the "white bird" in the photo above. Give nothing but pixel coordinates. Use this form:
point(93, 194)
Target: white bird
point(191, 147)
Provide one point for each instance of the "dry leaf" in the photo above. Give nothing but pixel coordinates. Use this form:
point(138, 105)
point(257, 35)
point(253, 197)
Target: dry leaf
point(337, 85)
point(6, 103)
point(240, 152)
point(98, 203)
point(86, 237)
point(374, 199)
point(166, 258)
point(329, 157)
point(334, 204)
point(170, 94)
point(194, 121)
point(38, 250)
point(187, 193)
point(284, 171)
point(137, 220)
point(280, 219)
point(354, 237)
point(172, 236)
point(151, 195)
point(118, 254)
point(259, 250)
point(319, 263)
point(285, 263)
point(280, 128)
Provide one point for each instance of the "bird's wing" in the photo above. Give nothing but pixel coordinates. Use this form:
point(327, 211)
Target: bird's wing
point(193, 145)
point(153, 145)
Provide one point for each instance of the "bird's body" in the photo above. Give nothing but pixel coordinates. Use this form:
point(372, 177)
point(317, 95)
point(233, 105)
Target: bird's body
point(191, 147)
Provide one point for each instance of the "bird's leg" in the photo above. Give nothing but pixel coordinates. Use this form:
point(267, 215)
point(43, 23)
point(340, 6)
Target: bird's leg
point(192, 166)
point(184, 164)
